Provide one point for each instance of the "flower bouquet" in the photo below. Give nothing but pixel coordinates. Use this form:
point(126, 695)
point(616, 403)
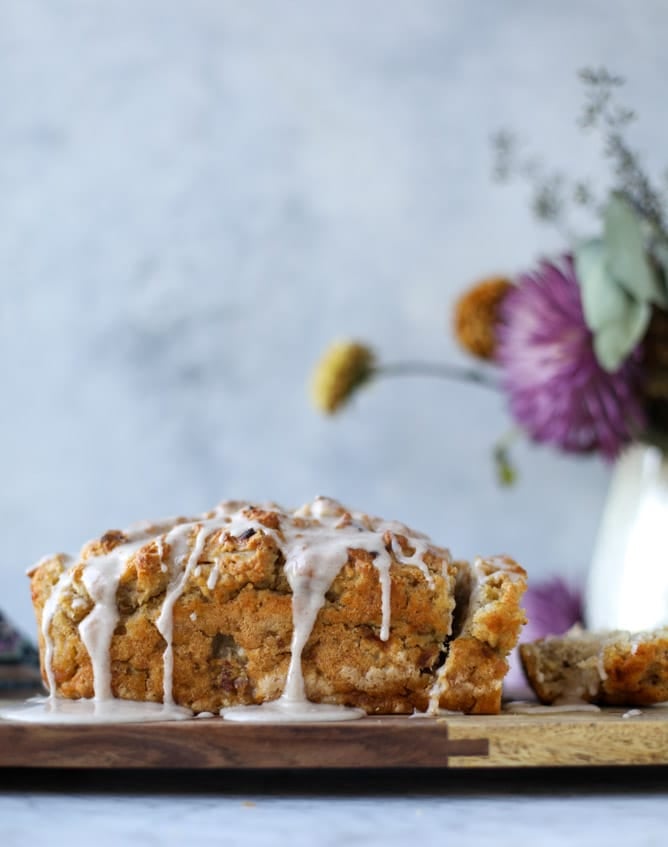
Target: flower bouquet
point(578, 344)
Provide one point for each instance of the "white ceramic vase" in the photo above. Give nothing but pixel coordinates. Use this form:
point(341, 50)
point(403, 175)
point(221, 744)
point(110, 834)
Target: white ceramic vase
point(627, 587)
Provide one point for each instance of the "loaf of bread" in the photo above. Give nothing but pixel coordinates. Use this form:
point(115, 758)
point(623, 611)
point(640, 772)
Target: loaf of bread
point(607, 668)
point(222, 609)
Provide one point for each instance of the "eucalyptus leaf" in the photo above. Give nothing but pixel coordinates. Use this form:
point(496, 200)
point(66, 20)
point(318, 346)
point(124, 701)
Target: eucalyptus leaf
point(617, 319)
point(614, 341)
point(626, 252)
point(604, 300)
point(660, 253)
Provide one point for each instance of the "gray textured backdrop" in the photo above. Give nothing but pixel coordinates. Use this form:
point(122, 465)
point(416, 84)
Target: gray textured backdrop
point(196, 197)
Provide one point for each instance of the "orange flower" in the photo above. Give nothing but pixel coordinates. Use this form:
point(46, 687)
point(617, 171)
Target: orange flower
point(476, 315)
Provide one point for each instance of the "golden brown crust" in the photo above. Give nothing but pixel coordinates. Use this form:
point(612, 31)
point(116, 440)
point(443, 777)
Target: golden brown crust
point(614, 669)
point(471, 679)
point(232, 633)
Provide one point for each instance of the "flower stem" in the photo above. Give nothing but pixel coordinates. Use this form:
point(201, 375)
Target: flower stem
point(440, 371)
point(505, 469)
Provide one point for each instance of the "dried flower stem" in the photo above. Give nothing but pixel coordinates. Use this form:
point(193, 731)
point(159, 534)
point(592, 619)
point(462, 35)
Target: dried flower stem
point(440, 371)
point(552, 191)
point(603, 113)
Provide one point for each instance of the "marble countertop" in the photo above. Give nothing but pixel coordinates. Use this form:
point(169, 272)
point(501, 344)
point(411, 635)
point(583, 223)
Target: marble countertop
point(592, 807)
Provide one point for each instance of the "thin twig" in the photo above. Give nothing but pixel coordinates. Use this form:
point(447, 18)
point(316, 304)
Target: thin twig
point(440, 371)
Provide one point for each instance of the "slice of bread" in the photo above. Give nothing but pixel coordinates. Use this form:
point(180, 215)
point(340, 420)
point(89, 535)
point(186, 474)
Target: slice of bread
point(613, 668)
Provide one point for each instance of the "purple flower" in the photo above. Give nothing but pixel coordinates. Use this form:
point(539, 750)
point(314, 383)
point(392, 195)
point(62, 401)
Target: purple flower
point(552, 608)
point(558, 391)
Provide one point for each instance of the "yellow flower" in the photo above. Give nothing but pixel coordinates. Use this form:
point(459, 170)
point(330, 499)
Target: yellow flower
point(476, 315)
point(344, 366)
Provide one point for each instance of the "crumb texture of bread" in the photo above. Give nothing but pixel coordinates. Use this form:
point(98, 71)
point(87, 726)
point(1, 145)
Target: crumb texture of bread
point(471, 678)
point(232, 618)
point(613, 668)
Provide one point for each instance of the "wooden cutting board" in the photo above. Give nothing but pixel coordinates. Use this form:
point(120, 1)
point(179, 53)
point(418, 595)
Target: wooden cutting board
point(455, 741)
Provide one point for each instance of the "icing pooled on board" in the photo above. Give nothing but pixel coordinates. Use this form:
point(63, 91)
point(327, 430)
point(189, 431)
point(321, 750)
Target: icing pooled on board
point(59, 710)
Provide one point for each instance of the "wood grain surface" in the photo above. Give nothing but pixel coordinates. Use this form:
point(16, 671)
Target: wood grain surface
point(460, 741)
point(566, 738)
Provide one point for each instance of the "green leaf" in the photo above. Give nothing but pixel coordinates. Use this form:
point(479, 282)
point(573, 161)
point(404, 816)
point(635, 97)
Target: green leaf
point(626, 252)
point(506, 475)
point(619, 282)
point(603, 298)
point(616, 318)
point(614, 341)
point(660, 253)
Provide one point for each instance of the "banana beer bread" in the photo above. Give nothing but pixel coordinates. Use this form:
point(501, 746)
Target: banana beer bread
point(246, 602)
point(613, 668)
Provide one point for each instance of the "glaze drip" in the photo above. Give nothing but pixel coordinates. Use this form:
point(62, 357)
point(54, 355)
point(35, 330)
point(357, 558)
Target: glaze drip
point(314, 541)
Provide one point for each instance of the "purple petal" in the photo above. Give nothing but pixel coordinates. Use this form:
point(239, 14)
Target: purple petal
point(556, 387)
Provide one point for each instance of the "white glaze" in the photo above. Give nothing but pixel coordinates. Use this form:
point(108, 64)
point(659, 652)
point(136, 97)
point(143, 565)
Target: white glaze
point(437, 713)
point(291, 711)
point(178, 540)
point(314, 553)
point(600, 665)
point(632, 713)
point(64, 582)
point(101, 577)
point(58, 710)
point(212, 578)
